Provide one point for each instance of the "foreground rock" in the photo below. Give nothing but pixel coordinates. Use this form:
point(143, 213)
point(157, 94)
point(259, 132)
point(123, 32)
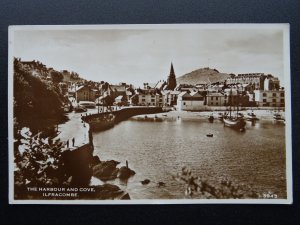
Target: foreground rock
point(106, 170)
point(125, 173)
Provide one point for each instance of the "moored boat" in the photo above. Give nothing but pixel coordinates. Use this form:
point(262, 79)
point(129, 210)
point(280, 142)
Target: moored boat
point(251, 116)
point(211, 118)
point(235, 122)
point(220, 116)
point(278, 117)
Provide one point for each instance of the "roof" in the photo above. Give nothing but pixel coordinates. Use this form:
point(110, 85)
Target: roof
point(196, 94)
point(183, 94)
point(215, 94)
point(119, 97)
point(79, 88)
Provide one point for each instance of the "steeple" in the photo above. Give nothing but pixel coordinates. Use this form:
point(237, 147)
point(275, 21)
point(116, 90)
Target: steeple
point(171, 82)
point(172, 70)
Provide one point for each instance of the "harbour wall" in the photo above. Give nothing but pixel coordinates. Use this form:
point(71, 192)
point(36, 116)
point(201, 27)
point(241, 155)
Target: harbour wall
point(124, 113)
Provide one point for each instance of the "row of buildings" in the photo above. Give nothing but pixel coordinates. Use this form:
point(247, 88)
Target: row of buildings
point(243, 89)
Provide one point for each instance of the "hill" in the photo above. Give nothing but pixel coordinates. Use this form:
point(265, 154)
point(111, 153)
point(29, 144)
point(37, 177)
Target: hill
point(203, 75)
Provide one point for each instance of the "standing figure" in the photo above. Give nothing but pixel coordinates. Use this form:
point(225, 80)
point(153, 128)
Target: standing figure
point(67, 143)
point(73, 141)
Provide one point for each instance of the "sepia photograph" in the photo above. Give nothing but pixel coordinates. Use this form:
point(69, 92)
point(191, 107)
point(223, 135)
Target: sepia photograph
point(149, 114)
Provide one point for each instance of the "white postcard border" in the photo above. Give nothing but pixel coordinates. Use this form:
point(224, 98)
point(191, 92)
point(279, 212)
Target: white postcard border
point(288, 128)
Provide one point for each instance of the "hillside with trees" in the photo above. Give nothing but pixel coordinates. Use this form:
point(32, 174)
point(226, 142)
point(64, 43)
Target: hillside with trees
point(38, 101)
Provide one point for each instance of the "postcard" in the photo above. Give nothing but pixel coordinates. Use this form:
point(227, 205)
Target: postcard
point(150, 114)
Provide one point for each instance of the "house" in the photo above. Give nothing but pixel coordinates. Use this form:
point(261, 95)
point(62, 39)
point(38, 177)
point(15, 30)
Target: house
point(146, 97)
point(216, 99)
point(273, 98)
point(85, 93)
point(170, 97)
point(190, 101)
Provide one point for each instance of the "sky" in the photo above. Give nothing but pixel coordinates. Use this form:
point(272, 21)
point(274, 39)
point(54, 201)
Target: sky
point(144, 55)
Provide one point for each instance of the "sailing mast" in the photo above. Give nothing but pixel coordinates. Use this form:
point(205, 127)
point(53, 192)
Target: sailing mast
point(230, 102)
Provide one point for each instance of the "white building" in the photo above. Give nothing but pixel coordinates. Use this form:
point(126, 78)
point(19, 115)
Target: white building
point(273, 98)
point(147, 98)
point(192, 102)
point(170, 97)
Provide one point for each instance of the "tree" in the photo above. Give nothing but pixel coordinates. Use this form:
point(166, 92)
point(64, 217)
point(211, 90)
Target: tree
point(56, 77)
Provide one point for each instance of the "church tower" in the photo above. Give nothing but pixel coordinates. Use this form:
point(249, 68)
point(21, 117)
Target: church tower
point(171, 82)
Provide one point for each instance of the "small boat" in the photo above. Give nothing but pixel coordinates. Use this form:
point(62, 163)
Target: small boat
point(240, 115)
point(211, 118)
point(209, 135)
point(146, 181)
point(251, 116)
point(278, 117)
point(220, 116)
point(161, 184)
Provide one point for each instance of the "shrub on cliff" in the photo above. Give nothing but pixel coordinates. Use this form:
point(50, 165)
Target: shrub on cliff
point(37, 161)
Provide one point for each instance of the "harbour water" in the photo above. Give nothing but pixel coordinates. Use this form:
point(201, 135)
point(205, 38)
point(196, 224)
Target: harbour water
point(158, 149)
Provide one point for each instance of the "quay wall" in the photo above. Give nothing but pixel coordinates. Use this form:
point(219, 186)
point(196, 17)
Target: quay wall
point(125, 113)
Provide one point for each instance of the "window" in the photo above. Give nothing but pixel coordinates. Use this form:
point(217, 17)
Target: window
point(282, 100)
point(274, 94)
point(143, 100)
point(273, 100)
point(217, 98)
point(264, 94)
point(281, 94)
point(212, 98)
point(264, 100)
point(152, 100)
point(217, 103)
point(184, 103)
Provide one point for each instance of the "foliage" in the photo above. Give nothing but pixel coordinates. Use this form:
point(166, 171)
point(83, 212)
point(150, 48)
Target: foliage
point(37, 160)
point(56, 77)
point(37, 102)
